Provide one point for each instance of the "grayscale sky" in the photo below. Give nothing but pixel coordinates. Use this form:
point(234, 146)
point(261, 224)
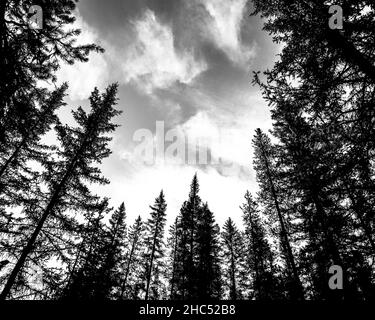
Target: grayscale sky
point(187, 63)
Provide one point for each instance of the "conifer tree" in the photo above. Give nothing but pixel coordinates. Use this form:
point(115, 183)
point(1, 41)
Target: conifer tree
point(172, 243)
point(131, 282)
point(270, 194)
point(264, 281)
point(80, 148)
point(186, 254)
point(197, 272)
point(84, 280)
point(304, 27)
point(208, 251)
point(113, 256)
point(233, 253)
point(154, 248)
point(30, 55)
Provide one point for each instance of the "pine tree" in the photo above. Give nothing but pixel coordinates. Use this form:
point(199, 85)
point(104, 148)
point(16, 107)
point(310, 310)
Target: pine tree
point(233, 253)
point(131, 282)
point(264, 281)
point(304, 27)
point(186, 253)
point(323, 122)
point(114, 256)
point(208, 250)
point(154, 248)
point(172, 243)
point(80, 148)
point(16, 176)
point(84, 279)
point(270, 195)
point(29, 56)
point(196, 258)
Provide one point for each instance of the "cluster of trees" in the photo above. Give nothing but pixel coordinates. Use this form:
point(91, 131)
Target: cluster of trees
point(316, 202)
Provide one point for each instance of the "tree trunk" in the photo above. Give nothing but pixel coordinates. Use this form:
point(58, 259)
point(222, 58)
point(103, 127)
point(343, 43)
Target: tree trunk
point(233, 274)
point(135, 240)
point(28, 248)
point(174, 262)
point(149, 274)
point(297, 283)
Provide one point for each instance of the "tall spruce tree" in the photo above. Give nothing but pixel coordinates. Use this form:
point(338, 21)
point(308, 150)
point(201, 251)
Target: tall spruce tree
point(264, 280)
point(208, 251)
point(172, 264)
point(80, 148)
point(271, 196)
point(233, 253)
point(197, 271)
point(186, 254)
point(30, 55)
point(154, 249)
point(84, 280)
point(113, 252)
point(131, 287)
point(323, 121)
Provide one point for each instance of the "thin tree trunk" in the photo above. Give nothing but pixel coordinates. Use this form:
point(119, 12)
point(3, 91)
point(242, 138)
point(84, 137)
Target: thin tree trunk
point(366, 227)
point(28, 248)
point(80, 250)
point(11, 158)
point(3, 68)
point(284, 234)
point(255, 255)
point(149, 274)
point(233, 274)
point(135, 240)
point(350, 53)
point(174, 262)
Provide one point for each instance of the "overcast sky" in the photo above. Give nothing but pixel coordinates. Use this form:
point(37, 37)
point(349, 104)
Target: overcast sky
point(187, 63)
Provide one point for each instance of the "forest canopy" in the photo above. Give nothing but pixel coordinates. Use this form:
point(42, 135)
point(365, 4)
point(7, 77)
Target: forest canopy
point(315, 205)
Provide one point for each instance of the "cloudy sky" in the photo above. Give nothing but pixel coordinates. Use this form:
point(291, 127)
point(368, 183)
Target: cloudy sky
point(186, 64)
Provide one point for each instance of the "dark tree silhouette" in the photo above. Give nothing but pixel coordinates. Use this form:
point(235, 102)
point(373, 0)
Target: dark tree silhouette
point(270, 195)
point(154, 248)
point(81, 147)
point(265, 283)
point(234, 262)
point(131, 285)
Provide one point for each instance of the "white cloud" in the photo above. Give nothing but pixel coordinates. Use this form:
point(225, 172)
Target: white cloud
point(224, 27)
point(153, 62)
point(223, 194)
point(226, 140)
point(230, 131)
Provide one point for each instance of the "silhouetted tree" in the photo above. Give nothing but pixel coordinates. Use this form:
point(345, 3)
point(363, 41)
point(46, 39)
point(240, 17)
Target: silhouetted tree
point(197, 271)
point(84, 280)
point(154, 248)
point(80, 148)
point(208, 251)
point(29, 56)
point(270, 196)
point(233, 256)
point(261, 268)
point(186, 253)
point(131, 283)
point(172, 243)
